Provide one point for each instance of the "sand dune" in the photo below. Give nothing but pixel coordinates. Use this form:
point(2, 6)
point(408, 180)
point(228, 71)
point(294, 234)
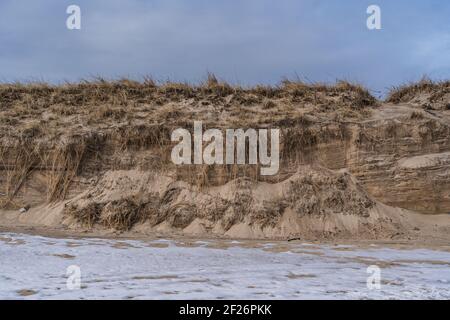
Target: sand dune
point(95, 157)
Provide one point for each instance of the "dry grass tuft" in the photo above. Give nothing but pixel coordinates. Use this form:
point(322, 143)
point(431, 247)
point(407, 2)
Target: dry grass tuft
point(66, 161)
point(87, 215)
point(122, 214)
point(25, 156)
point(430, 94)
point(417, 115)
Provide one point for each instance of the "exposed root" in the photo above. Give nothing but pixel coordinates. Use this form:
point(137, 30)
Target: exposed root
point(66, 161)
point(25, 158)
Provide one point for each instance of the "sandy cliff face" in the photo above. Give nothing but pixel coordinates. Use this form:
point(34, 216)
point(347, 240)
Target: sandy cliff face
point(100, 152)
point(401, 157)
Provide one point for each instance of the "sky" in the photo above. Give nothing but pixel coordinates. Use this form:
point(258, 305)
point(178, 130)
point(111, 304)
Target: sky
point(244, 42)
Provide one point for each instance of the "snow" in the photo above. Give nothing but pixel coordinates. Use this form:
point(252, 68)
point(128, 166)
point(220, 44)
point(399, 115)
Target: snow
point(167, 269)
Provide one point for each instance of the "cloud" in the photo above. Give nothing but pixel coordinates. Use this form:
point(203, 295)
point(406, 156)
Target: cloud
point(246, 41)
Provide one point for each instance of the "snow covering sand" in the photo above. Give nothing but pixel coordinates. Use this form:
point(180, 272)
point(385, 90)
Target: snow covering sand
point(34, 267)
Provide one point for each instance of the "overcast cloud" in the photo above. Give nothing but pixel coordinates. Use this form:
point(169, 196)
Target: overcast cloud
point(242, 41)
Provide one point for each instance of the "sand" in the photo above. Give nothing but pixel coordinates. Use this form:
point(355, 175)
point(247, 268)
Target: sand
point(94, 159)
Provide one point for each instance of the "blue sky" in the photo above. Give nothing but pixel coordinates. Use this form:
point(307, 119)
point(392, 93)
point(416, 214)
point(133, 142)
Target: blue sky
point(241, 41)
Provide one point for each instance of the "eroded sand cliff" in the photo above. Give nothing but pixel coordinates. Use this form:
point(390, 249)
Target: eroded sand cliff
point(96, 156)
